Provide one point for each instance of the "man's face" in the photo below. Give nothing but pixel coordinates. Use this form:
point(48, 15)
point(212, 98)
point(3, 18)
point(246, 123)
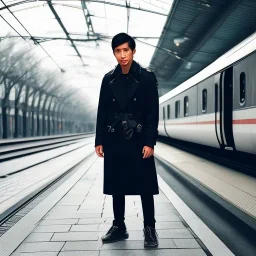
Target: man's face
point(124, 54)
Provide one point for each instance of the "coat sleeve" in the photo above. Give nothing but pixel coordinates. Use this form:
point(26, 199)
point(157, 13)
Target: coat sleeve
point(101, 115)
point(152, 112)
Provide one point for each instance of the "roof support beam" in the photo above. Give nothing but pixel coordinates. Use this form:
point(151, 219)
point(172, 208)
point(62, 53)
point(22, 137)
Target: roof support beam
point(209, 31)
point(128, 5)
point(40, 39)
point(198, 35)
point(87, 18)
point(31, 37)
point(95, 1)
point(124, 6)
point(65, 30)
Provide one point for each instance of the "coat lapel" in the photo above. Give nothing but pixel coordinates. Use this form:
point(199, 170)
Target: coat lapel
point(132, 87)
point(133, 83)
point(117, 90)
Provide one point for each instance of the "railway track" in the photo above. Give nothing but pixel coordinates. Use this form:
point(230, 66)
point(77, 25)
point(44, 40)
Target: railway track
point(70, 158)
point(15, 148)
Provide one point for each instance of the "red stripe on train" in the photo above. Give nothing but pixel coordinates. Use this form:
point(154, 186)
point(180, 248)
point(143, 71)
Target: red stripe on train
point(193, 123)
point(241, 121)
point(245, 121)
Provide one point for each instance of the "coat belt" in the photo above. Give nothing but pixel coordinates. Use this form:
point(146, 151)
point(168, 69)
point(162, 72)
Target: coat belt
point(120, 116)
point(129, 122)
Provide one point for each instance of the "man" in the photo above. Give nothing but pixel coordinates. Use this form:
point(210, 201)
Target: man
point(126, 132)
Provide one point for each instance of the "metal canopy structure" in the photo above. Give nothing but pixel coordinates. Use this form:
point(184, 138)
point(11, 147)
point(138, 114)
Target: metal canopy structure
point(183, 36)
point(196, 33)
point(74, 36)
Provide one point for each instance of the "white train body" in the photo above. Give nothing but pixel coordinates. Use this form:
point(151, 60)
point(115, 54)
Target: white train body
point(217, 106)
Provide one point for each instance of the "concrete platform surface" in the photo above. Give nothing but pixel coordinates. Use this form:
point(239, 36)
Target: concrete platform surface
point(73, 218)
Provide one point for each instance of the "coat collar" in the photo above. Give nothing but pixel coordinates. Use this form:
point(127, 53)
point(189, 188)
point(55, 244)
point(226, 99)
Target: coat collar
point(116, 79)
point(135, 70)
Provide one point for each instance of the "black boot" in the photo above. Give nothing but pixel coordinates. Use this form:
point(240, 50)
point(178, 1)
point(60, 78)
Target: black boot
point(115, 234)
point(150, 237)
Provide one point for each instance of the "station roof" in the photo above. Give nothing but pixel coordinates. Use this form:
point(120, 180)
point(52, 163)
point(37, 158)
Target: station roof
point(175, 38)
point(74, 37)
point(196, 33)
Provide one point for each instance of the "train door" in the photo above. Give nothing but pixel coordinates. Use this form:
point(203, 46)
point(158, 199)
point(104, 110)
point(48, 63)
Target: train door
point(217, 107)
point(224, 109)
point(164, 117)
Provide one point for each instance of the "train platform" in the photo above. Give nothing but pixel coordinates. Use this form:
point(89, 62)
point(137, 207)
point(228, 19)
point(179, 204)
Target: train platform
point(74, 216)
point(233, 189)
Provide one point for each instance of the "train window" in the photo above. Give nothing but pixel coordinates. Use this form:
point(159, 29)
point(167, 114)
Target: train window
point(242, 88)
point(186, 106)
point(163, 113)
point(204, 100)
point(168, 112)
point(177, 109)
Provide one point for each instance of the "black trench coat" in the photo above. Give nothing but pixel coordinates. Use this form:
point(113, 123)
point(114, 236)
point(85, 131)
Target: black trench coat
point(125, 171)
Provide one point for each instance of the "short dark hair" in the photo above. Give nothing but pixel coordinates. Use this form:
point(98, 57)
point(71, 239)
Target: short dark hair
point(123, 38)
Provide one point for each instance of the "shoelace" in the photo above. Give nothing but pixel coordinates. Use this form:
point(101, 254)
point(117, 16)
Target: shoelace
point(150, 231)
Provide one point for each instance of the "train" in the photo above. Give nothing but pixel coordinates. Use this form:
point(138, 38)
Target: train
point(217, 106)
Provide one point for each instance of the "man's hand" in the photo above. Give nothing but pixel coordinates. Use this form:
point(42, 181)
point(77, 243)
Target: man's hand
point(147, 152)
point(99, 151)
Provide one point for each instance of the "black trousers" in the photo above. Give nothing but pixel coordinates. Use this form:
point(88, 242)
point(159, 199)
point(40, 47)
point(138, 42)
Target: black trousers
point(147, 202)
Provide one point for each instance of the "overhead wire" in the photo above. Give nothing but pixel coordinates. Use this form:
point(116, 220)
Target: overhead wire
point(162, 2)
point(16, 3)
point(163, 49)
point(115, 4)
point(93, 1)
point(128, 7)
point(29, 34)
point(106, 25)
point(128, 14)
point(154, 5)
point(12, 27)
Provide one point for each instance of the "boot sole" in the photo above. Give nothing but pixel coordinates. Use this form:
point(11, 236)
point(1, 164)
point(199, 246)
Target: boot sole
point(113, 241)
point(150, 246)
